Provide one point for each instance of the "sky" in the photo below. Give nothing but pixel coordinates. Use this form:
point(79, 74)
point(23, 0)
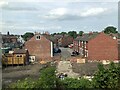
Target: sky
point(20, 16)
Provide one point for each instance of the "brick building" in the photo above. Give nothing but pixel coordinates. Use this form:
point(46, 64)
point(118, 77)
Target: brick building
point(39, 47)
point(98, 46)
point(10, 41)
point(80, 44)
point(64, 40)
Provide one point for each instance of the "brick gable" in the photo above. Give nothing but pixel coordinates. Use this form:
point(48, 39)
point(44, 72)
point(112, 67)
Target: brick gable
point(102, 47)
point(40, 48)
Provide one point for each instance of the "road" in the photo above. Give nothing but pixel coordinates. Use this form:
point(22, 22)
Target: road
point(65, 53)
point(64, 66)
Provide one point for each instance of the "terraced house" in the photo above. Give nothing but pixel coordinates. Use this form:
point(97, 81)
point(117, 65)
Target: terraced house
point(98, 46)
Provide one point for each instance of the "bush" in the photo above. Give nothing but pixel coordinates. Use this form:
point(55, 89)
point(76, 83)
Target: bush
point(27, 84)
point(103, 78)
point(107, 77)
point(75, 83)
point(47, 80)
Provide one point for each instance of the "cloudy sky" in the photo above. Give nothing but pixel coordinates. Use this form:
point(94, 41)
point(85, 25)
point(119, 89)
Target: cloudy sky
point(20, 16)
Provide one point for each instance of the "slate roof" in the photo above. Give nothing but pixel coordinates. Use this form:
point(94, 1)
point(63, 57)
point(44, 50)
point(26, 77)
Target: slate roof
point(58, 36)
point(20, 51)
point(8, 36)
point(117, 35)
point(51, 38)
point(87, 36)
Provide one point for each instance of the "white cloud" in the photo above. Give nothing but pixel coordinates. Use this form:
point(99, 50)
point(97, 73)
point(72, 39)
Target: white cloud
point(63, 0)
point(2, 3)
point(93, 11)
point(71, 14)
point(56, 13)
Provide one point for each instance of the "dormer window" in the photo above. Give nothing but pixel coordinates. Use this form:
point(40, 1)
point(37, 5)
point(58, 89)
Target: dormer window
point(38, 37)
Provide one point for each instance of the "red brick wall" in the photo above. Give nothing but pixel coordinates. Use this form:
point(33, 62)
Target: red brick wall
point(67, 40)
point(102, 47)
point(40, 48)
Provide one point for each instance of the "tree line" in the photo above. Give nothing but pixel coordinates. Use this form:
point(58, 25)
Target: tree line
point(74, 34)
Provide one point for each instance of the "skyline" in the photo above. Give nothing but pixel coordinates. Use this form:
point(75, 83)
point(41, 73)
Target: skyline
point(21, 17)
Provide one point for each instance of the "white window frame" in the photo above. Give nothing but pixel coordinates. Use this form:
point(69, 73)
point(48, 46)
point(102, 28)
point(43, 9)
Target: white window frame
point(38, 37)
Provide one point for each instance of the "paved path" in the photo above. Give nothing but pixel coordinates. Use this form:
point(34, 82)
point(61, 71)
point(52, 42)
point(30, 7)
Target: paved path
point(66, 53)
point(64, 66)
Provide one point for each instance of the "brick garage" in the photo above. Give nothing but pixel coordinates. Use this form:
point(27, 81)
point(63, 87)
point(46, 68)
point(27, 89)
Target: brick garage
point(40, 47)
point(103, 47)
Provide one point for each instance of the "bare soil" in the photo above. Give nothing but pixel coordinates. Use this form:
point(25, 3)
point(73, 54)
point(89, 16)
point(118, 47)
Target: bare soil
point(11, 74)
point(85, 69)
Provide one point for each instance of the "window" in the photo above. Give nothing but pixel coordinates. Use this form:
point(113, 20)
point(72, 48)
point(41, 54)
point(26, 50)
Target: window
point(18, 55)
point(37, 37)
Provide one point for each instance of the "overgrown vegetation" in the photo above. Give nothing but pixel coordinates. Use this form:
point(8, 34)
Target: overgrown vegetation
point(107, 77)
point(103, 78)
point(68, 83)
point(46, 80)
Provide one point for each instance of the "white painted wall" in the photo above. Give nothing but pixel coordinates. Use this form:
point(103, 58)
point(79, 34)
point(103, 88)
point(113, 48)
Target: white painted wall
point(51, 49)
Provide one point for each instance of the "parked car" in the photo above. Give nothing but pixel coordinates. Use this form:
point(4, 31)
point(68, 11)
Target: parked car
point(74, 53)
point(56, 50)
point(70, 46)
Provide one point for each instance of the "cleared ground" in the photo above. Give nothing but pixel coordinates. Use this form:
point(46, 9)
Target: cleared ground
point(66, 67)
point(11, 74)
point(85, 69)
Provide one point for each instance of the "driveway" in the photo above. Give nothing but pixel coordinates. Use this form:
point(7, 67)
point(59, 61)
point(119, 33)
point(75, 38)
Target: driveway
point(65, 53)
point(64, 66)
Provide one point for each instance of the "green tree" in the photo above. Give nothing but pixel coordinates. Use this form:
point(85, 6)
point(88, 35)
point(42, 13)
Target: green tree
point(81, 33)
point(63, 33)
point(47, 78)
point(107, 77)
point(27, 35)
point(72, 34)
point(110, 29)
point(53, 34)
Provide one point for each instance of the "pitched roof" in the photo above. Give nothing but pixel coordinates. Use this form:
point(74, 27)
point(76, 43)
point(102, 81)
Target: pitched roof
point(58, 36)
point(117, 35)
point(20, 51)
point(49, 37)
point(8, 36)
point(87, 36)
